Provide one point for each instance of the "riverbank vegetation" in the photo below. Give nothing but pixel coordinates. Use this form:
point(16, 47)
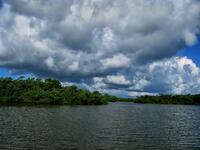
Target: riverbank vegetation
point(34, 91)
point(170, 99)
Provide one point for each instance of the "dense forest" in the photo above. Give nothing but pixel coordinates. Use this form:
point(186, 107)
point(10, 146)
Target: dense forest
point(170, 99)
point(37, 91)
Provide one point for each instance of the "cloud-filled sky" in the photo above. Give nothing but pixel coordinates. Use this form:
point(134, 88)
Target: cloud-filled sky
point(126, 48)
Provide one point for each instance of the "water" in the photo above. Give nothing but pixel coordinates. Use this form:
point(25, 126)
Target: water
point(117, 126)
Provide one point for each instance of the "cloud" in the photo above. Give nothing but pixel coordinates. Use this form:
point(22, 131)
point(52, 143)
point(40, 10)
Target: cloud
point(136, 94)
point(93, 38)
point(176, 75)
point(190, 38)
point(117, 79)
point(117, 61)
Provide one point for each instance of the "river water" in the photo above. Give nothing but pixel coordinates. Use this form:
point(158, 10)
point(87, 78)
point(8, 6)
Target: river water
point(116, 126)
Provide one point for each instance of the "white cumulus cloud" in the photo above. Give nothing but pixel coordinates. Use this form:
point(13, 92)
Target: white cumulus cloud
point(117, 79)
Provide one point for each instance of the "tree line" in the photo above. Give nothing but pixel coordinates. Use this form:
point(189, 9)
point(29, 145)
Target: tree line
point(33, 91)
point(170, 99)
point(48, 91)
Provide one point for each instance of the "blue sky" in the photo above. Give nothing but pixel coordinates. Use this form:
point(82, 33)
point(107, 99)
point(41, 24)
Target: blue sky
point(192, 53)
point(4, 72)
point(1, 2)
point(133, 48)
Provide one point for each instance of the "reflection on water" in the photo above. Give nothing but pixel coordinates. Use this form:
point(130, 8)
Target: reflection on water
point(114, 126)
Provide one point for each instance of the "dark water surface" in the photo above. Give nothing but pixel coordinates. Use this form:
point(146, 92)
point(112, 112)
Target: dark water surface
point(117, 126)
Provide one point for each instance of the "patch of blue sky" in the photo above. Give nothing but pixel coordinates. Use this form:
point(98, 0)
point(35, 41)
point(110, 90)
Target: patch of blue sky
point(4, 72)
point(192, 53)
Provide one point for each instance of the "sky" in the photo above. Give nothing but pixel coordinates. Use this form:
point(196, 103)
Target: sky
point(126, 48)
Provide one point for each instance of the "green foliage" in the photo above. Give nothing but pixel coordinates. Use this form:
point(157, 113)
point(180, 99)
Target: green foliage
point(170, 99)
point(49, 91)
